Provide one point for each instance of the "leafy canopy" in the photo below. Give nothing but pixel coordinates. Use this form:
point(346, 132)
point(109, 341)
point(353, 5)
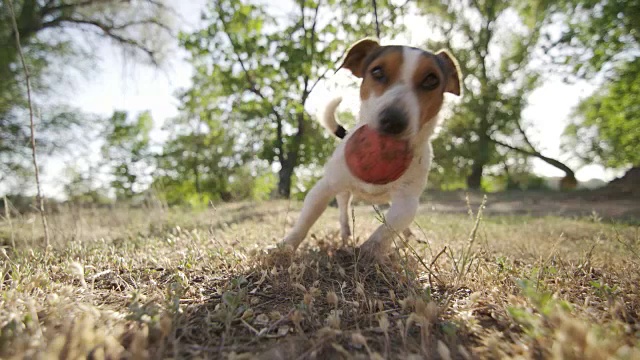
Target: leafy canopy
point(606, 126)
point(596, 35)
point(493, 40)
point(127, 152)
point(601, 42)
point(263, 66)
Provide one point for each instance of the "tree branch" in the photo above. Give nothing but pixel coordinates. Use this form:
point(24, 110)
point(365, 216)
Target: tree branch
point(321, 77)
point(313, 27)
point(109, 32)
point(101, 26)
point(254, 88)
point(524, 135)
point(548, 160)
point(48, 8)
point(310, 52)
point(60, 14)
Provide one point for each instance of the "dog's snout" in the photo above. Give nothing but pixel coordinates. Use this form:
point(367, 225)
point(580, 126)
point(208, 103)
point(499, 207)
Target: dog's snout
point(393, 121)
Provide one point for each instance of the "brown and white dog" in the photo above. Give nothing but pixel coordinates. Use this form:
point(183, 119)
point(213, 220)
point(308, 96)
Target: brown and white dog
point(401, 94)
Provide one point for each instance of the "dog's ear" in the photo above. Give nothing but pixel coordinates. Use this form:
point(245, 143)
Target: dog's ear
point(451, 70)
point(356, 55)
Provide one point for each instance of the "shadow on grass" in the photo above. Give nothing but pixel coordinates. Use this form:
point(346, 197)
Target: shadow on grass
point(320, 303)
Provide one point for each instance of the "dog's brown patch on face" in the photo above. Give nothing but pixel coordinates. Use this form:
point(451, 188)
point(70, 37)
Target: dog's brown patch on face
point(387, 63)
point(427, 73)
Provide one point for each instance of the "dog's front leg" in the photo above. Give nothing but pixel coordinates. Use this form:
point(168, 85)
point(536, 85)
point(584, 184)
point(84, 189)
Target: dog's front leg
point(402, 211)
point(344, 203)
point(314, 205)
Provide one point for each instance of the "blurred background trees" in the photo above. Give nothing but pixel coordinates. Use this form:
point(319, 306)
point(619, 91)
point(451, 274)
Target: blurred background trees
point(244, 129)
point(601, 41)
point(58, 38)
point(494, 42)
point(263, 69)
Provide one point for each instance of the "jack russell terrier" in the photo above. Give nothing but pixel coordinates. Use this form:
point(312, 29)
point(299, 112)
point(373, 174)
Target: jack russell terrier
point(401, 94)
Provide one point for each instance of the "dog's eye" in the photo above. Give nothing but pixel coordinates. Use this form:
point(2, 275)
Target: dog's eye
point(377, 73)
point(430, 82)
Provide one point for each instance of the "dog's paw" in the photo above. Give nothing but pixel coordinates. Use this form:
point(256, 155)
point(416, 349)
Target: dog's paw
point(281, 249)
point(347, 241)
point(371, 252)
point(279, 254)
point(408, 234)
point(282, 246)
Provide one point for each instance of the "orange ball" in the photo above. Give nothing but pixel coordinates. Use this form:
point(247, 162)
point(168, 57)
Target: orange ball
point(377, 158)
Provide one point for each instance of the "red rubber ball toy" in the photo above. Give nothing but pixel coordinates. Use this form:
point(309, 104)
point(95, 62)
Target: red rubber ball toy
point(377, 158)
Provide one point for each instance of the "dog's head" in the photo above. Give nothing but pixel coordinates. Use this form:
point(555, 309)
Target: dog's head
point(402, 87)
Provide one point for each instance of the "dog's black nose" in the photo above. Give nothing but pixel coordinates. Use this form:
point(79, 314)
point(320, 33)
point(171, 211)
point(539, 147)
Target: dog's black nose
point(393, 121)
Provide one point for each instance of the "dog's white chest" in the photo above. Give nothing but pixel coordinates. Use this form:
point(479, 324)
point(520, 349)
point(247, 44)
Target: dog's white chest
point(376, 194)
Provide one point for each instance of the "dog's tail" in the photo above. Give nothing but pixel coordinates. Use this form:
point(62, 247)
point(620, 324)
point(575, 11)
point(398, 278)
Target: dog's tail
point(329, 119)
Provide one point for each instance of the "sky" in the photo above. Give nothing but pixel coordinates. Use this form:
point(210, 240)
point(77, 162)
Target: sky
point(121, 84)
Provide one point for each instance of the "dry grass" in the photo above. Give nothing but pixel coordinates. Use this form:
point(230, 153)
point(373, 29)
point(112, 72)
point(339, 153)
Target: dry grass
point(168, 284)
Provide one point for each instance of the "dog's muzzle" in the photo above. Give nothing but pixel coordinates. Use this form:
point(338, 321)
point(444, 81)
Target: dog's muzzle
point(393, 121)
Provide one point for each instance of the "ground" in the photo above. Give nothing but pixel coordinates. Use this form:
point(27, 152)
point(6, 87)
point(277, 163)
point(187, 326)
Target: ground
point(170, 283)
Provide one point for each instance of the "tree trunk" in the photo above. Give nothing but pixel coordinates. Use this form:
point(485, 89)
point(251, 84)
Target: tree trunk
point(474, 180)
point(568, 182)
point(196, 175)
point(284, 179)
point(289, 162)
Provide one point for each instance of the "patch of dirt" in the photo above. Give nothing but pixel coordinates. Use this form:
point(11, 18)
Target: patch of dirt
point(607, 203)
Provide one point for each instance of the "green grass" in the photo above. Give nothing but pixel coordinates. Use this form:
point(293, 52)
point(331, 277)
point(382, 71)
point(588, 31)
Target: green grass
point(153, 283)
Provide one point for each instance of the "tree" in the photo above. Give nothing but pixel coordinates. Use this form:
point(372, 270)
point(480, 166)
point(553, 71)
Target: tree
point(596, 36)
point(606, 126)
point(82, 188)
point(265, 66)
point(202, 153)
point(601, 42)
point(127, 153)
point(494, 41)
point(56, 130)
point(51, 33)
point(128, 24)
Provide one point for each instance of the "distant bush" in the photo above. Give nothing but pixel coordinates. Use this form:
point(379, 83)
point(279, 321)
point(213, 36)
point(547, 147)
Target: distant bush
point(524, 181)
point(18, 202)
point(245, 186)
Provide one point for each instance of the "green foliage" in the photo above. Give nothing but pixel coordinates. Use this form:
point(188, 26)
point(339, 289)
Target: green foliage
point(518, 181)
point(21, 203)
point(264, 67)
point(545, 304)
point(82, 189)
point(259, 186)
point(493, 56)
point(57, 130)
point(602, 40)
point(304, 181)
point(604, 290)
point(446, 171)
point(598, 34)
point(205, 150)
point(606, 126)
point(127, 153)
